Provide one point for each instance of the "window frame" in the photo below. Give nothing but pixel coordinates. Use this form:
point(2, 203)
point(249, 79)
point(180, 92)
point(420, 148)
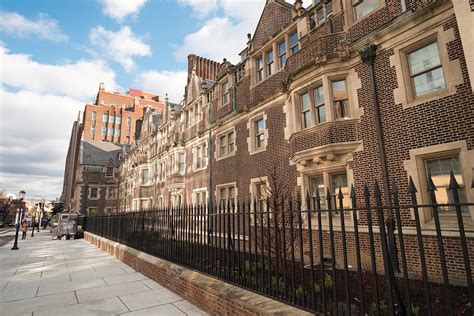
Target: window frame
point(281, 54)
point(294, 48)
point(270, 62)
point(107, 175)
point(412, 76)
point(225, 88)
point(226, 187)
point(260, 67)
point(223, 144)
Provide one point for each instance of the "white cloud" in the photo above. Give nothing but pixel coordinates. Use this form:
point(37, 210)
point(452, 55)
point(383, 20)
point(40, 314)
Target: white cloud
point(34, 138)
point(119, 9)
point(121, 46)
point(223, 35)
point(78, 80)
point(17, 25)
point(162, 82)
point(201, 8)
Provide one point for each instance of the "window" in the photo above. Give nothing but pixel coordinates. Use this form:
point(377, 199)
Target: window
point(231, 142)
point(112, 119)
point(129, 121)
point(200, 152)
point(197, 112)
point(94, 193)
point(111, 132)
point(340, 98)
point(294, 43)
point(105, 118)
point(333, 181)
point(227, 195)
point(225, 93)
point(270, 63)
point(282, 54)
point(319, 104)
point(109, 172)
point(426, 71)
point(127, 133)
point(305, 111)
point(226, 144)
point(104, 131)
point(181, 163)
point(261, 196)
point(117, 132)
point(145, 174)
point(200, 198)
point(190, 117)
point(119, 120)
point(111, 193)
point(322, 12)
point(94, 116)
point(439, 169)
point(259, 69)
point(364, 7)
point(259, 133)
point(92, 129)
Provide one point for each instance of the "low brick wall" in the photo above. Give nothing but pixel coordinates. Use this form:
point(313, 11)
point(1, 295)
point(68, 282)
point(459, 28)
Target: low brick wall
point(212, 295)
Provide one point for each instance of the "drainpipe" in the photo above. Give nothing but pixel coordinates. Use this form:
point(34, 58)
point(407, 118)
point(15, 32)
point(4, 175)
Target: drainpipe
point(209, 163)
point(368, 54)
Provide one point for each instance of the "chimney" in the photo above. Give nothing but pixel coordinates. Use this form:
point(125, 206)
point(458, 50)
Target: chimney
point(101, 86)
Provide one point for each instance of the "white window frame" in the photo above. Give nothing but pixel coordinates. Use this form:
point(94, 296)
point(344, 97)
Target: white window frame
point(89, 197)
point(226, 187)
point(226, 133)
point(251, 140)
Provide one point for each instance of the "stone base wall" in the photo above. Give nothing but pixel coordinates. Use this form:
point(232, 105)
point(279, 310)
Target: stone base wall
point(212, 295)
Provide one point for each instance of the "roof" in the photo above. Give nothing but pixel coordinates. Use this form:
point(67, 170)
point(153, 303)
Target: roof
point(99, 153)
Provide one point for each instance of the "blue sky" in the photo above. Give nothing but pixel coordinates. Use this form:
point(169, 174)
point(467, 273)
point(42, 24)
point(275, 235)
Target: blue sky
point(54, 54)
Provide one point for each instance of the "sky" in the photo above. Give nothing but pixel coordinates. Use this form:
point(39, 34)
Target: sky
point(54, 54)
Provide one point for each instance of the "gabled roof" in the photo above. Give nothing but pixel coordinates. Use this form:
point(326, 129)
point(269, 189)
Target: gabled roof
point(99, 153)
point(268, 24)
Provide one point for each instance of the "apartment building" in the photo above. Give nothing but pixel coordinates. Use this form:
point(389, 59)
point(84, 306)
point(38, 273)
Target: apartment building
point(335, 94)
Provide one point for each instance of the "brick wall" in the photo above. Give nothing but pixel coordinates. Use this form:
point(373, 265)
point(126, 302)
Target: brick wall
point(213, 296)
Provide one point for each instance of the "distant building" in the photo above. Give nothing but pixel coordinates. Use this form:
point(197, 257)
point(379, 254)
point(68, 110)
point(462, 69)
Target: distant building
point(96, 178)
point(117, 118)
point(113, 118)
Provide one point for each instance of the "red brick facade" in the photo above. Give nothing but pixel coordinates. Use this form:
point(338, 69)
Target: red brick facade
point(413, 128)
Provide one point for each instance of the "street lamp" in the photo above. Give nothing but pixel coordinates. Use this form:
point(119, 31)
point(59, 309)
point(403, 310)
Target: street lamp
point(21, 196)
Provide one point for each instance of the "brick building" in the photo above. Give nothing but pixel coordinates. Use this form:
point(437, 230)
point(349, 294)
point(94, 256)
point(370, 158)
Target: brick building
point(335, 94)
point(116, 117)
point(99, 133)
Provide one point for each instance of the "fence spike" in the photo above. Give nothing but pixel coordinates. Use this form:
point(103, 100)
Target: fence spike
point(394, 187)
point(366, 191)
point(453, 183)
point(353, 193)
point(328, 194)
point(411, 186)
point(377, 192)
point(431, 186)
point(340, 195)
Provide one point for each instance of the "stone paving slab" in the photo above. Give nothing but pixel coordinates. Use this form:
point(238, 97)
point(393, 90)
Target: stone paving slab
point(73, 277)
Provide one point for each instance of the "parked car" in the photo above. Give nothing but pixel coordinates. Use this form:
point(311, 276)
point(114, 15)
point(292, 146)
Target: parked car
point(68, 225)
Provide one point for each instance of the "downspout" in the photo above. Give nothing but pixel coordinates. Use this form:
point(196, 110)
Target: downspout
point(368, 55)
point(209, 162)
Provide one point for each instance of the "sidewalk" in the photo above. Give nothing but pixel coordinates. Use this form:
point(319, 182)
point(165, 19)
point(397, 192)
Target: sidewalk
point(73, 277)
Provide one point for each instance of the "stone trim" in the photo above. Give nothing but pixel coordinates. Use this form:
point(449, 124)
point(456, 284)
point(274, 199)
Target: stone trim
point(210, 294)
point(415, 168)
point(404, 93)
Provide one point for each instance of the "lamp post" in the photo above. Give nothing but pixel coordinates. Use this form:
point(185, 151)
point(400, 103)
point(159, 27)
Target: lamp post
point(21, 196)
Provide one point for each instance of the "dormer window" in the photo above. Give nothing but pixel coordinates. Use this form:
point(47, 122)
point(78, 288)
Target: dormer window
point(270, 63)
point(225, 93)
point(259, 69)
point(323, 10)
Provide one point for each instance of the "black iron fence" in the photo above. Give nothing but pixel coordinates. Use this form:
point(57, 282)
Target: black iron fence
point(375, 257)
